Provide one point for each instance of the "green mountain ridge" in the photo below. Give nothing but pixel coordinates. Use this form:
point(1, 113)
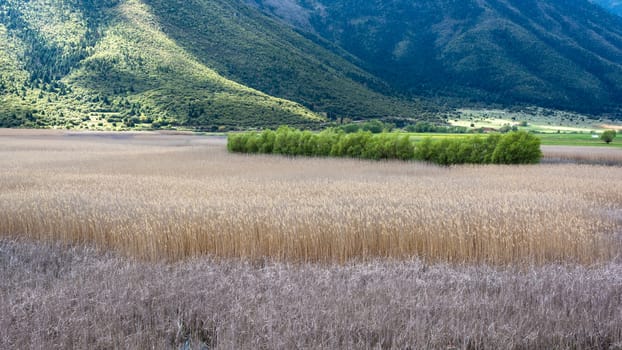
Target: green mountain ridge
point(563, 54)
point(235, 64)
point(118, 68)
point(123, 63)
point(265, 54)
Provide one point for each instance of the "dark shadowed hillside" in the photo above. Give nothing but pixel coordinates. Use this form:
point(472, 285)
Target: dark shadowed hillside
point(556, 53)
point(249, 47)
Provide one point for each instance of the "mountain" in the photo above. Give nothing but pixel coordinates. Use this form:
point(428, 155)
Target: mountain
point(614, 6)
point(564, 54)
point(227, 64)
point(246, 45)
point(108, 63)
point(205, 64)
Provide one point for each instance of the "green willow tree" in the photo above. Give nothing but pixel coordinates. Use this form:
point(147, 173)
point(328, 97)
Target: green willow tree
point(512, 148)
point(608, 136)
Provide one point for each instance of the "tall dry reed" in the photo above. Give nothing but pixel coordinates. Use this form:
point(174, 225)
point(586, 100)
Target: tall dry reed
point(174, 196)
point(611, 156)
point(58, 297)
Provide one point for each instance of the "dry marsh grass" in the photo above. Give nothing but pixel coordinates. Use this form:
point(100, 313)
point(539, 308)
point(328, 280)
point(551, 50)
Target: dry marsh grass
point(583, 155)
point(176, 196)
point(58, 297)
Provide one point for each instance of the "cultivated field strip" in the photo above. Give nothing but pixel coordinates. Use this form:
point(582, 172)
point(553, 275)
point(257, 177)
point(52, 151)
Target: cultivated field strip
point(172, 197)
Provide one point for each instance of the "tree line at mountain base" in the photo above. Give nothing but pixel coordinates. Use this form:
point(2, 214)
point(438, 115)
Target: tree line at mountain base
point(512, 148)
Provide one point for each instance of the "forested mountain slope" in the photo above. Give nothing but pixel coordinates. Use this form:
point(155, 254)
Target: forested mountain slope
point(563, 54)
point(223, 64)
point(267, 55)
point(128, 62)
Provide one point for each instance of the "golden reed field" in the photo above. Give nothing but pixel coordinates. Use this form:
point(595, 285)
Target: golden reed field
point(163, 241)
point(583, 155)
point(170, 197)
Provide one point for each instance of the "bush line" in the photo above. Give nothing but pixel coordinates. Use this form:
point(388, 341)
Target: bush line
point(513, 148)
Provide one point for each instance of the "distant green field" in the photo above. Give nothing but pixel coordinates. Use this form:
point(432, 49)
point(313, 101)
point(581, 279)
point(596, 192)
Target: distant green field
point(577, 140)
point(547, 139)
point(533, 118)
point(415, 136)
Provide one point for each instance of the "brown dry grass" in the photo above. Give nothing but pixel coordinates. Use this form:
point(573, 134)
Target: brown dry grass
point(583, 155)
point(57, 297)
point(175, 196)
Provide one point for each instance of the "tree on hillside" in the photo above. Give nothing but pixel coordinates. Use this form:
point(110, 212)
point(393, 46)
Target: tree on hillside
point(608, 136)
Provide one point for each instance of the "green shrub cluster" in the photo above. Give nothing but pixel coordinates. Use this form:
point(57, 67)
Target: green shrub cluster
point(374, 126)
point(422, 126)
point(512, 148)
point(328, 143)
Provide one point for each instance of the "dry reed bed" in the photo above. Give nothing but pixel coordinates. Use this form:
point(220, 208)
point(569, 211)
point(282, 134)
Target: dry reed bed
point(583, 155)
point(171, 197)
point(57, 297)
